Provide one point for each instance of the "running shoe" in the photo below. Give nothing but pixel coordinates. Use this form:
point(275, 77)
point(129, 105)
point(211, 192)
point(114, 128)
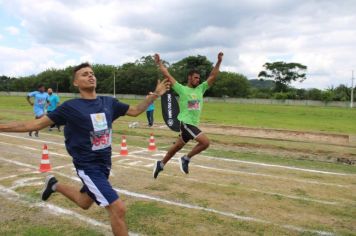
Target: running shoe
point(48, 187)
point(157, 168)
point(183, 163)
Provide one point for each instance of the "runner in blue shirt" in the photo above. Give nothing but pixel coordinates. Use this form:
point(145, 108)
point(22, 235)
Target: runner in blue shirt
point(53, 103)
point(149, 113)
point(88, 129)
point(39, 103)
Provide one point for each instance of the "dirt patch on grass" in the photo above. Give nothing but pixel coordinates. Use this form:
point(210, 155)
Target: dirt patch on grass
point(285, 143)
point(278, 134)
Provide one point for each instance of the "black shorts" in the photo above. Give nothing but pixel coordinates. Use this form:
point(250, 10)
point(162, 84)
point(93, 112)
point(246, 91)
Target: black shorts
point(188, 132)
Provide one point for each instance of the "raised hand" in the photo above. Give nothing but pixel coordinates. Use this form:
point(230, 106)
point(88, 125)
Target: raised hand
point(157, 58)
point(220, 56)
point(162, 87)
point(164, 70)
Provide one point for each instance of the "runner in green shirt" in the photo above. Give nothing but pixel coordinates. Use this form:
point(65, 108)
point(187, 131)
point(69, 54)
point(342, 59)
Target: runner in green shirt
point(190, 105)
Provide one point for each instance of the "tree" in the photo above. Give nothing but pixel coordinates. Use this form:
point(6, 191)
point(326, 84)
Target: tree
point(230, 84)
point(283, 73)
point(342, 93)
point(180, 69)
point(5, 83)
point(314, 94)
point(137, 78)
point(262, 84)
point(104, 77)
point(327, 96)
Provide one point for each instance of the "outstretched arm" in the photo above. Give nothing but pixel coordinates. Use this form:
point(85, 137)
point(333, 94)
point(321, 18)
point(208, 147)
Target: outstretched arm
point(29, 100)
point(164, 70)
point(214, 73)
point(161, 89)
point(26, 126)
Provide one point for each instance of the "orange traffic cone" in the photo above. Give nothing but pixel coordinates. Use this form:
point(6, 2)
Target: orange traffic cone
point(45, 166)
point(123, 151)
point(152, 145)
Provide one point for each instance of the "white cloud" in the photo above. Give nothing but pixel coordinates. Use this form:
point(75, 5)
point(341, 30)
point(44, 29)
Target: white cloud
point(319, 34)
point(12, 30)
point(19, 62)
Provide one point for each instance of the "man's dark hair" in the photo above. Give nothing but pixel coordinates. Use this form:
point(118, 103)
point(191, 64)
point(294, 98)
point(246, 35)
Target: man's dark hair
point(80, 66)
point(193, 71)
point(40, 86)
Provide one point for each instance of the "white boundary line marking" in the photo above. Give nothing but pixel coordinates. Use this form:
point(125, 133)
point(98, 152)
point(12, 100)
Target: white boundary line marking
point(136, 152)
point(215, 158)
point(52, 209)
point(31, 139)
point(278, 166)
point(241, 188)
point(134, 163)
point(274, 176)
point(61, 167)
point(220, 170)
point(189, 206)
point(254, 174)
point(12, 195)
point(9, 177)
point(224, 170)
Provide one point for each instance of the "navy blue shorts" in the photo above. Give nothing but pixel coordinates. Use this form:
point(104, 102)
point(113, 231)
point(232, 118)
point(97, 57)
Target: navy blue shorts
point(96, 185)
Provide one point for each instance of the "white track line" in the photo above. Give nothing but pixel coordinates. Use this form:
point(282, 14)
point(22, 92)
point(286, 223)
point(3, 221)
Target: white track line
point(241, 188)
point(189, 206)
point(9, 177)
point(31, 139)
point(35, 149)
point(214, 158)
point(135, 163)
point(11, 195)
point(136, 152)
point(227, 214)
point(218, 169)
point(52, 209)
point(26, 184)
point(61, 167)
point(278, 166)
point(254, 174)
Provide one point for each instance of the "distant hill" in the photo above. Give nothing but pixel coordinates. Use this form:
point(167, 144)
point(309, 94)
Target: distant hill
point(261, 84)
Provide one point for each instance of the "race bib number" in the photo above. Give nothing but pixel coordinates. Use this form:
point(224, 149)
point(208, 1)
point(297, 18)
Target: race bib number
point(100, 139)
point(99, 121)
point(41, 101)
point(193, 105)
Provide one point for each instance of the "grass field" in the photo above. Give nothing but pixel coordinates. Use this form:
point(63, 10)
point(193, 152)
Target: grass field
point(305, 118)
point(239, 186)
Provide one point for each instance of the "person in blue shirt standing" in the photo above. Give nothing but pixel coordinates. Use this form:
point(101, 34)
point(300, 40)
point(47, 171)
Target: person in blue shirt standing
point(149, 113)
point(39, 103)
point(53, 103)
point(88, 134)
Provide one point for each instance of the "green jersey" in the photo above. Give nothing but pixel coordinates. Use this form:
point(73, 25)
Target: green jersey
point(190, 102)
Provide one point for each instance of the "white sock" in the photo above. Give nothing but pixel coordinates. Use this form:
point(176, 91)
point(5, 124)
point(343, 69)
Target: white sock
point(54, 187)
point(161, 164)
point(186, 158)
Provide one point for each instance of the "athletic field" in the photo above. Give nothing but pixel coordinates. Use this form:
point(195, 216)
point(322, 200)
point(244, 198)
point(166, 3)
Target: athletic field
point(270, 170)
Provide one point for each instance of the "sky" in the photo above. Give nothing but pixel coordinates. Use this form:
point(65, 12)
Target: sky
point(321, 34)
